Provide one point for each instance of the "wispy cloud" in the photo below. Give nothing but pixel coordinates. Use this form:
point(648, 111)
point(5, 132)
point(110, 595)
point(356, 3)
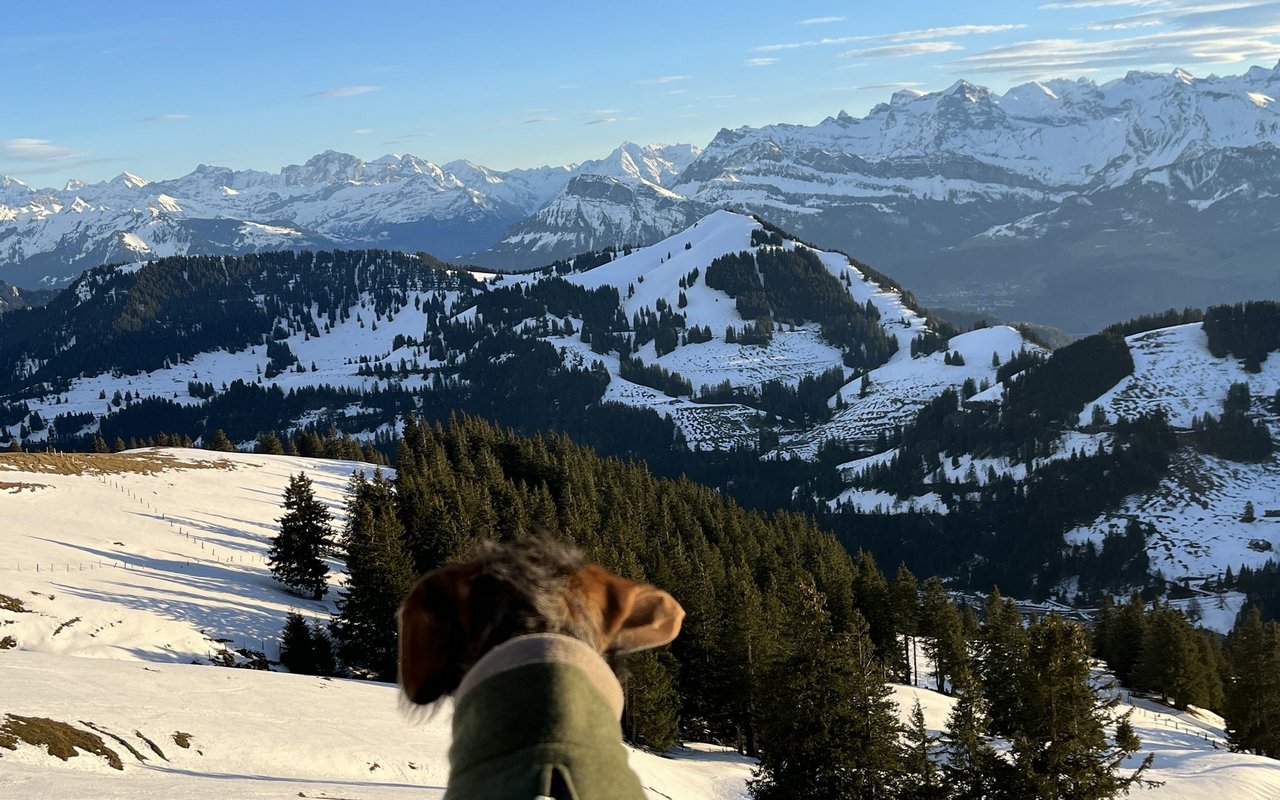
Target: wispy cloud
point(539, 120)
point(406, 138)
point(821, 20)
point(1102, 3)
point(345, 91)
point(362, 131)
point(890, 85)
point(760, 62)
point(1213, 44)
point(902, 50)
point(167, 118)
point(607, 112)
point(602, 121)
point(898, 36)
point(36, 151)
point(664, 79)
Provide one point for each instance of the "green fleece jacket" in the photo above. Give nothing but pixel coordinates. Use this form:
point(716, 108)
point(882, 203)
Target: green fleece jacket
point(537, 717)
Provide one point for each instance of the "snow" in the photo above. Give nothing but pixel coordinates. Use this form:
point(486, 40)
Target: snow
point(110, 644)
point(143, 574)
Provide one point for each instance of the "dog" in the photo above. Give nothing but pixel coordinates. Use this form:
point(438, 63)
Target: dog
point(521, 637)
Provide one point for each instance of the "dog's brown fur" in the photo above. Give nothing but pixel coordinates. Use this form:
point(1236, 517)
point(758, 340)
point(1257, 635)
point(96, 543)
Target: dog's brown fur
point(455, 615)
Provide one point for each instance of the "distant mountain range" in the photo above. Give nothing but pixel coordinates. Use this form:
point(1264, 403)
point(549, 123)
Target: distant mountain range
point(1025, 204)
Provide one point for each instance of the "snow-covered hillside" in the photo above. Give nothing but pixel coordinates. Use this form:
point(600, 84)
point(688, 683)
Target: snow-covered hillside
point(341, 354)
point(123, 575)
point(1197, 510)
point(151, 560)
point(1196, 513)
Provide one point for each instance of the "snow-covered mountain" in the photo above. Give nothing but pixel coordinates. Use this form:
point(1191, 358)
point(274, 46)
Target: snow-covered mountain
point(401, 202)
point(979, 200)
point(949, 190)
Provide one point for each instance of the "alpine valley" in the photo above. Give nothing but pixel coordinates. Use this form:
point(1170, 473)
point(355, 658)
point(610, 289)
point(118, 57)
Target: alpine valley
point(789, 376)
point(1028, 205)
point(778, 376)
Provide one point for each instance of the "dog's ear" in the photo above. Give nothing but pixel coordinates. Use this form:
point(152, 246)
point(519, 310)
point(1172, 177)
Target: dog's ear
point(433, 634)
point(635, 616)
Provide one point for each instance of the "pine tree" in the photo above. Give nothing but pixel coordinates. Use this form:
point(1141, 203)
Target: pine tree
point(1252, 705)
point(221, 442)
point(943, 635)
point(652, 715)
point(919, 769)
point(1059, 744)
point(971, 767)
point(296, 553)
point(297, 649)
point(904, 596)
point(828, 724)
point(379, 575)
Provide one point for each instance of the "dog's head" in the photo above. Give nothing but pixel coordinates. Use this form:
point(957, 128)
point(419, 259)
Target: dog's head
point(456, 614)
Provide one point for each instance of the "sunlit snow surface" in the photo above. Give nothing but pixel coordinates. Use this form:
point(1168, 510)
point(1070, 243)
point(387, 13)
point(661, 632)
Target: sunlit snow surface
point(141, 573)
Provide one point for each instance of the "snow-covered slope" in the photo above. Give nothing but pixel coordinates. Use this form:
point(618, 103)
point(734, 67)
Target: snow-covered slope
point(150, 558)
point(1198, 508)
point(149, 563)
point(898, 389)
point(341, 354)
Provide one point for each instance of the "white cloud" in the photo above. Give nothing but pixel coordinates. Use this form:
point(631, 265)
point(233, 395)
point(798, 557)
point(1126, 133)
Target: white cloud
point(362, 131)
point(821, 20)
point(760, 62)
point(902, 50)
point(665, 79)
point(167, 118)
point(345, 91)
point(602, 121)
point(890, 85)
point(539, 120)
point(1209, 44)
point(899, 36)
point(35, 151)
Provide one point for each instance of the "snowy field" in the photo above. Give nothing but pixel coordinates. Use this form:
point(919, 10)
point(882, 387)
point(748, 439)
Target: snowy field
point(152, 560)
point(129, 568)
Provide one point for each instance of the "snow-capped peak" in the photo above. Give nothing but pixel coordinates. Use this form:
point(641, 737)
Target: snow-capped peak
point(129, 181)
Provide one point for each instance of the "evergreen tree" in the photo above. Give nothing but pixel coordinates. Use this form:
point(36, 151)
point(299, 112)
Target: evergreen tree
point(904, 596)
point(943, 635)
point(379, 575)
point(296, 553)
point(220, 442)
point(828, 724)
point(297, 649)
point(971, 767)
point(922, 781)
point(1059, 745)
point(1252, 705)
point(652, 715)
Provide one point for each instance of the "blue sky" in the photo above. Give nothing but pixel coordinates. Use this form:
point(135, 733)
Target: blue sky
point(93, 89)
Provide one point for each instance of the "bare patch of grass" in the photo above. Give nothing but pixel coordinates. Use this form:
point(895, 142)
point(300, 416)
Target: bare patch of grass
point(181, 739)
point(13, 604)
point(8, 643)
point(120, 739)
point(15, 488)
point(155, 748)
point(66, 624)
point(102, 463)
point(57, 738)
